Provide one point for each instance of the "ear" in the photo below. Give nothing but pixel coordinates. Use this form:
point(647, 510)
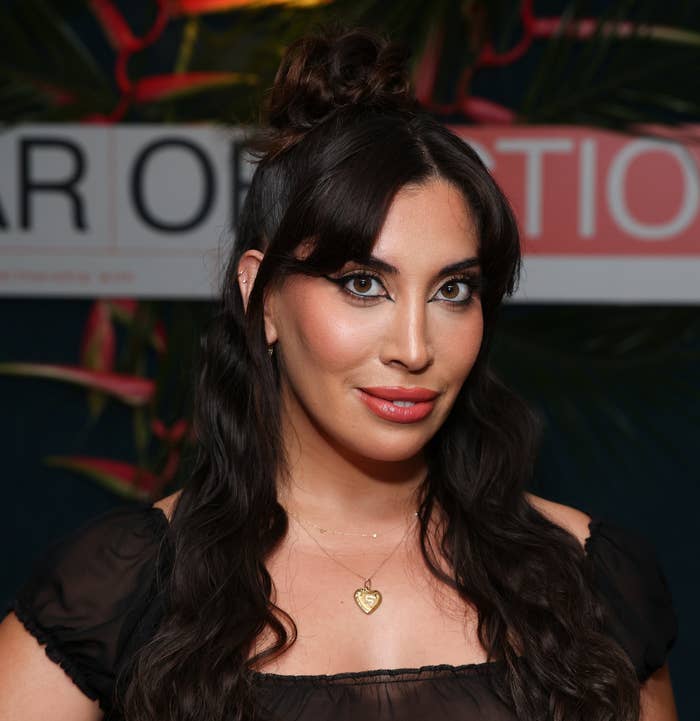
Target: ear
point(248, 267)
point(247, 270)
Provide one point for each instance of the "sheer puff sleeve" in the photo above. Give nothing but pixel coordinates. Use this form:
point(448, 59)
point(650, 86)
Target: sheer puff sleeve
point(635, 595)
point(91, 592)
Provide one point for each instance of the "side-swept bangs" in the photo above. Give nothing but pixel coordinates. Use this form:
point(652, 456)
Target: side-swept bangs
point(329, 195)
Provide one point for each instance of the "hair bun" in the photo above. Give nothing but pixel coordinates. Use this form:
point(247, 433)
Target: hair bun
point(321, 74)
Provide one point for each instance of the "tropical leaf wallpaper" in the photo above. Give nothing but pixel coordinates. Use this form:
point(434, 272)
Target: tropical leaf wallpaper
point(610, 64)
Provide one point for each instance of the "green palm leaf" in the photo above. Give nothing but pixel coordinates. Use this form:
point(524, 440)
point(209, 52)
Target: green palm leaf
point(41, 55)
point(631, 70)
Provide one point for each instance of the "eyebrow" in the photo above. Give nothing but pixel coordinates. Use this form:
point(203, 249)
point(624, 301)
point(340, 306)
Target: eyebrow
point(378, 264)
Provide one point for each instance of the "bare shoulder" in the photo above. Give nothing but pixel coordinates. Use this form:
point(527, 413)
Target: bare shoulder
point(168, 504)
point(569, 518)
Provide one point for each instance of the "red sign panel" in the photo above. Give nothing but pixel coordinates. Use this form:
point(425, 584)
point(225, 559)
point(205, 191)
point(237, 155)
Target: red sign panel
point(589, 193)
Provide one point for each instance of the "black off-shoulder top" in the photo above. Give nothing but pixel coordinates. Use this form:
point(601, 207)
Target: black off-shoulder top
point(92, 599)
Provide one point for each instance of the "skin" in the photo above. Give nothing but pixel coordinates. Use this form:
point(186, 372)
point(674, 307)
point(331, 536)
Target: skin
point(350, 470)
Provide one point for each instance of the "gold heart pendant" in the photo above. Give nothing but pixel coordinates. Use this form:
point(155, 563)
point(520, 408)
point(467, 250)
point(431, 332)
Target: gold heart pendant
point(367, 599)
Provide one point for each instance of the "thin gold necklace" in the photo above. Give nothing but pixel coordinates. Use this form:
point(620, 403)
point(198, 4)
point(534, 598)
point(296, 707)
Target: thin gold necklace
point(324, 529)
point(368, 599)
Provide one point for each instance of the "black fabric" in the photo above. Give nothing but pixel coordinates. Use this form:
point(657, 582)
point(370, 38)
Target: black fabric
point(430, 693)
point(630, 582)
point(89, 598)
point(93, 600)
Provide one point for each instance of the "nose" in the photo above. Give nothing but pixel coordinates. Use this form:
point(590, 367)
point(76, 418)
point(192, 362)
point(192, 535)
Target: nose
point(407, 336)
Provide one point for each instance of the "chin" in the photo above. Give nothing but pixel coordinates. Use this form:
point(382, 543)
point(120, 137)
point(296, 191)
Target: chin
point(388, 447)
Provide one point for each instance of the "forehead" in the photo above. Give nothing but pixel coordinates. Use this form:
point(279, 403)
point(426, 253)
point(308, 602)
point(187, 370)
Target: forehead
point(430, 225)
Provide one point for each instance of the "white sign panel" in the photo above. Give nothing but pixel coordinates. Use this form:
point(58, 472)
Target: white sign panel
point(118, 211)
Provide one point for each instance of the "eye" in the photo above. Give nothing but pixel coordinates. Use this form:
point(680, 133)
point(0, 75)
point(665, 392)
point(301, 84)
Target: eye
point(362, 285)
point(457, 290)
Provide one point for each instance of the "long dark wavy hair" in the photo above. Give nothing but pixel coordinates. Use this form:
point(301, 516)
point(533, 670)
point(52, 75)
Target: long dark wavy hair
point(343, 137)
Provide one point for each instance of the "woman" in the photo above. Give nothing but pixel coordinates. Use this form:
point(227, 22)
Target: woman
point(356, 540)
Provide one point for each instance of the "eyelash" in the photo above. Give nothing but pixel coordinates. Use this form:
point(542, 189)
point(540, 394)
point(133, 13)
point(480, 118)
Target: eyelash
point(474, 282)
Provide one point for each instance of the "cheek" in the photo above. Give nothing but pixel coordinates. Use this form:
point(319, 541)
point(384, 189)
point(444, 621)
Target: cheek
point(322, 333)
point(459, 344)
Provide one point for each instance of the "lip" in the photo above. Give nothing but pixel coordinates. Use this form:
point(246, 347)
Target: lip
point(389, 411)
point(397, 393)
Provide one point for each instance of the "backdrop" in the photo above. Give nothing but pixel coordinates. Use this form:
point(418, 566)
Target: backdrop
point(616, 386)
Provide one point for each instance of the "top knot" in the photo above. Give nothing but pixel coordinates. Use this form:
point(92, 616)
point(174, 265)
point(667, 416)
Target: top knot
point(322, 74)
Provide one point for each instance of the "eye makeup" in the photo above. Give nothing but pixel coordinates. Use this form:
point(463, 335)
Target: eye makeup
point(473, 281)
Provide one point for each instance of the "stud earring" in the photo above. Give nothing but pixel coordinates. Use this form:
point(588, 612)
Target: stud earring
point(244, 278)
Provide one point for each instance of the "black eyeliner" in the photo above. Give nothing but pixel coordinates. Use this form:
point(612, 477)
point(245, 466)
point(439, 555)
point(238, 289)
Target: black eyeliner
point(473, 281)
point(343, 279)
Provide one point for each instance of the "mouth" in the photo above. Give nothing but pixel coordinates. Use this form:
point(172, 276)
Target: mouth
point(400, 405)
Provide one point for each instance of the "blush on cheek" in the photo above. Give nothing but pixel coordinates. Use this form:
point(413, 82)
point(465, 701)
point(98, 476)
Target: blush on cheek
point(465, 349)
point(335, 341)
point(323, 327)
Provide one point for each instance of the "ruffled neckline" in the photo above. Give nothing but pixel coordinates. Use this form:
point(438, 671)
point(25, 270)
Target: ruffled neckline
point(382, 675)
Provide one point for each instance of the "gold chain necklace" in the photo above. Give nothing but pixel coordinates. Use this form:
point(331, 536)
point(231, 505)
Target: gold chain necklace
point(324, 530)
point(368, 599)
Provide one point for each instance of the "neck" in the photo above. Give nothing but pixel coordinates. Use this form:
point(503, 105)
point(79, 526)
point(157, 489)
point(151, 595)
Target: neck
point(332, 486)
point(328, 496)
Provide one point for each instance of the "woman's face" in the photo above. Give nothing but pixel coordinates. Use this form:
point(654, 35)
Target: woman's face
point(407, 322)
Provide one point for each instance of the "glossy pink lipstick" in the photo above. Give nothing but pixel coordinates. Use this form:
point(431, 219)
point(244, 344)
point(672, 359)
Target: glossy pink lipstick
point(401, 405)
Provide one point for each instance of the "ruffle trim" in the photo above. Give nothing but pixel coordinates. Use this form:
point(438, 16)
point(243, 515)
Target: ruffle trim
point(54, 652)
point(383, 676)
